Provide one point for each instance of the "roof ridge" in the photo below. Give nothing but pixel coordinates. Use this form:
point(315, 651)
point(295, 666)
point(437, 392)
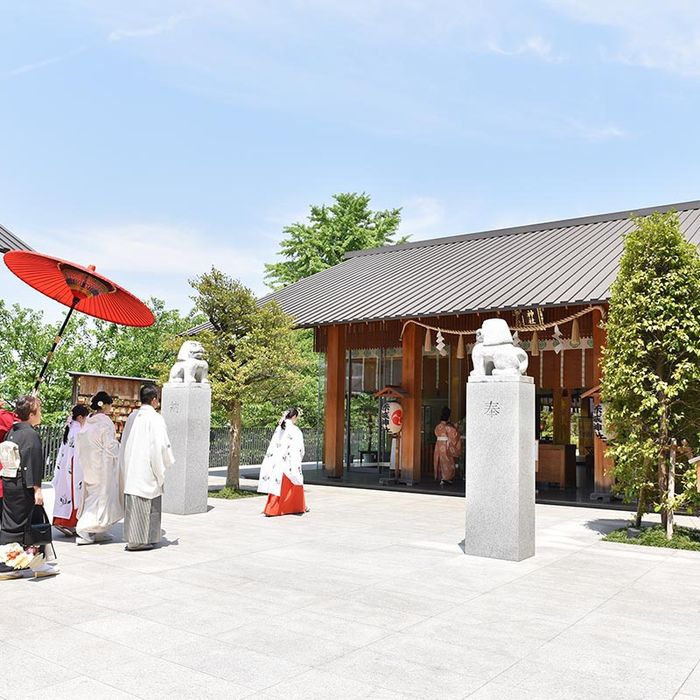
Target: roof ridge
point(528, 228)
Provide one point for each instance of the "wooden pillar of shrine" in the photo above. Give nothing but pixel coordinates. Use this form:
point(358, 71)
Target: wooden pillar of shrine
point(412, 370)
point(561, 410)
point(602, 463)
point(335, 402)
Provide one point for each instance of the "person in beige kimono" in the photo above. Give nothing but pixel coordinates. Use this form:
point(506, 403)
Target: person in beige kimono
point(447, 448)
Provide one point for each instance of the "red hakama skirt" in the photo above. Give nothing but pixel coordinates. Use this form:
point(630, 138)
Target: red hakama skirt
point(289, 502)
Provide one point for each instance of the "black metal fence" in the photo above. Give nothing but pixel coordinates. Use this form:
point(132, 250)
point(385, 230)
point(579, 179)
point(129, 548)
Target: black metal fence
point(254, 442)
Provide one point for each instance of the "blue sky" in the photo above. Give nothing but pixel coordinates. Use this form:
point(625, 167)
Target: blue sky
point(153, 139)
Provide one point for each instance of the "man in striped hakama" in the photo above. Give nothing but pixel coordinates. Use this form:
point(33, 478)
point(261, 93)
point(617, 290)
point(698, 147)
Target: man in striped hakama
point(146, 454)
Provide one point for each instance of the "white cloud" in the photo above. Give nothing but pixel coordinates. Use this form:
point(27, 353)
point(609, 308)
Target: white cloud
point(145, 32)
point(660, 34)
point(37, 65)
point(590, 132)
point(422, 217)
point(147, 259)
point(533, 46)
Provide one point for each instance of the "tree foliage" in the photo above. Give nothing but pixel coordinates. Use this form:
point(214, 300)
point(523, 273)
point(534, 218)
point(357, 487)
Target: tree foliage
point(252, 353)
point(331, 232)
point(651, 365)
point(88, 345)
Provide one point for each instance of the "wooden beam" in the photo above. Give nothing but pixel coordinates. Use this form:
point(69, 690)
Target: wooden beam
point(603, 464)
point(335, 402)
point(412, 369)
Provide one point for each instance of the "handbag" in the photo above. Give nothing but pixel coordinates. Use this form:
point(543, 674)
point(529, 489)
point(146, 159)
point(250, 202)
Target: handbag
point(38, 528)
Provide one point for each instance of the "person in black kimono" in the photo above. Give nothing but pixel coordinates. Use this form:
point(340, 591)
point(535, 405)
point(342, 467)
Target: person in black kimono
point(23, 491)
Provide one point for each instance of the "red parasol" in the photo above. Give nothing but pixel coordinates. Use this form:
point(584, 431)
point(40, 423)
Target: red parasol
point(79, 288)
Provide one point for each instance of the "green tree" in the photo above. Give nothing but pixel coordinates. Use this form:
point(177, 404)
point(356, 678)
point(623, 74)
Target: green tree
point(251, 350)
point(651, 366)
point(88, 345)
point(331, 232)
point(25, 339)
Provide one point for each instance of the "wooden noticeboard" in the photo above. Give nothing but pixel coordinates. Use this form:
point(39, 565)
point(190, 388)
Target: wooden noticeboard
point(123, 390)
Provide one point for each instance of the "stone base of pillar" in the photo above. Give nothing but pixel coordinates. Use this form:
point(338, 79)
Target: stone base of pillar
point(500, 467)
point(187, 413)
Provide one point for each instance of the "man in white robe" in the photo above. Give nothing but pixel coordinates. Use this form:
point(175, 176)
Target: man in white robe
point(145, 454)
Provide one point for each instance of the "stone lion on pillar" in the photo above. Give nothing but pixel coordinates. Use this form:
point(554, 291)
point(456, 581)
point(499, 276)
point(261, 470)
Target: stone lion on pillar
point(191, 367)
point(494, 353)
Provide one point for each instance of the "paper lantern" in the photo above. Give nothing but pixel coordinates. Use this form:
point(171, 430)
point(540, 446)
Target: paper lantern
point(426, 344)
point(395, 417)
point(460, 347)
point(535, 344)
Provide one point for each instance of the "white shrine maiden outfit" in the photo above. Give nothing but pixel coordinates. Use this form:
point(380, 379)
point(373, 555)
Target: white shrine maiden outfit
point(98, 452)
point(68, 482)
point(281, 475)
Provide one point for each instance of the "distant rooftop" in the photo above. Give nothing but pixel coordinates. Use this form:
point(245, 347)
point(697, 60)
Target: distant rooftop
point(8, 241)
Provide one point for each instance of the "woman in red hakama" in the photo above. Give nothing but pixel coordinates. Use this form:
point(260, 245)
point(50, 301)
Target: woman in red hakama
point(281, 475)
point(68, 476)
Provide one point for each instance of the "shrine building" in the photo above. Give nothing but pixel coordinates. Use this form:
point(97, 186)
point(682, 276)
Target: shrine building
point(406, 315)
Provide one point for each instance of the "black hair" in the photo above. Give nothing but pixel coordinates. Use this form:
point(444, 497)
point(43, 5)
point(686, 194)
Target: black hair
point(78, 410)
point(446, 413)
point(148, 393)
point(26, 405)
point(99, 399)
point(289, 413)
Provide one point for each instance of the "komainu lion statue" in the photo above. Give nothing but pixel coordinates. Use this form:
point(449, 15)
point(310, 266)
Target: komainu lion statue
point(494, 352)
point(191, 365)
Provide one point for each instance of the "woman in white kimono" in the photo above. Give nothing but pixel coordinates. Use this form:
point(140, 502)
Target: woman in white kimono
point(98, 452)
point(68, 475)
point(281, 475)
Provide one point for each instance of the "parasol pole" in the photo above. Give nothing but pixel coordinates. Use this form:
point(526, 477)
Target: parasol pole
point(56, 341)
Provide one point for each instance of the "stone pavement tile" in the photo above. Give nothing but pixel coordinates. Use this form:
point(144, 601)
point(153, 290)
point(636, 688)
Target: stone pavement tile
point(308, 623)
point(683, 696)
point(266, 592)
point(318, 685)
point(402, 595)
point(552, 682)
point(197, 576)
point(136, 632)
point(284, 641)
point(663, 677)
point(692, 683)
point(255, 669)
point(355, 611)
point(63, 609)
point(500, 691)
point(24, 672)
point(614, 635)
point(149, 677)
point(201, 616)
point(398, 675)
point(67, 646)
point(80, 688)
point(420, 649)
point(118, 594)
point(483, 638)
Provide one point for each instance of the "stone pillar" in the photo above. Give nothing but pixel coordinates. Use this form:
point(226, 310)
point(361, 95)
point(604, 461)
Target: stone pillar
point(186, 408)
point(500, 467)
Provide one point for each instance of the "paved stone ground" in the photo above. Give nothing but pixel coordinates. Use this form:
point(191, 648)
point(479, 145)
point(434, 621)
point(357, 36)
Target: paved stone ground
point(367, 596)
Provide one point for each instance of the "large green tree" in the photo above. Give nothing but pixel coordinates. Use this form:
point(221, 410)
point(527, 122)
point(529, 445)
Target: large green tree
point(88, 345)
point(252, 354)
point(331, 231)
point(651, 366)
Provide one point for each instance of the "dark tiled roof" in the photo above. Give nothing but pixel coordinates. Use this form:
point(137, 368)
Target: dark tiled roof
point(8, 241)
point(567, 262)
